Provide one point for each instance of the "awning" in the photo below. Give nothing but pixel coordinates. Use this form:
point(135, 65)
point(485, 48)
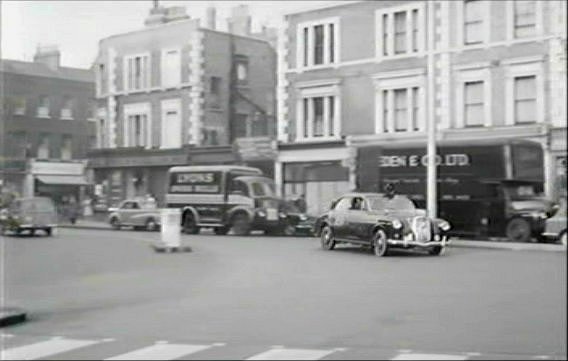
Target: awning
point(75, 180)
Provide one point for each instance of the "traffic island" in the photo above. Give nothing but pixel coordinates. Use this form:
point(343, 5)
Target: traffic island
point(162, 247)
point(11, 316)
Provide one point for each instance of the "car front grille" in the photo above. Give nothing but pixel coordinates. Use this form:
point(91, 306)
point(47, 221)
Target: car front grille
point(422, 229)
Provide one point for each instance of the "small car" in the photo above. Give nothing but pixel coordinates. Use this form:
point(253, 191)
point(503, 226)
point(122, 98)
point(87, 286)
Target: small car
point(555, 226)
point(137, 213)
point(29, 215)
point(381, 222)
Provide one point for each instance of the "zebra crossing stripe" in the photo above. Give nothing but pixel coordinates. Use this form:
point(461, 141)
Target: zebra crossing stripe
point(291, 354)
point(424, 356)
point(44, 349)
point(161, 351)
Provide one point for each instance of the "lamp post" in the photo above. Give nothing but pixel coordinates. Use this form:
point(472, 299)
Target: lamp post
point(431, 185)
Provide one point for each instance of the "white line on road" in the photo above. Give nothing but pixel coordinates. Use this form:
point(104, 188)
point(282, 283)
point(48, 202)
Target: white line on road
point(161, 351)
point(291, 354)
point(44, 349)
point(425, 356)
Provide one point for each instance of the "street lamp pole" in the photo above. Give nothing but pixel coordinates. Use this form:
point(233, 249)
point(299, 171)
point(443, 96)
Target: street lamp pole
point(431, 184)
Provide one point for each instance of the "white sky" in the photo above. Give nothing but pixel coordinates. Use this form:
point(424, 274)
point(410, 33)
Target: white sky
point(77, 26)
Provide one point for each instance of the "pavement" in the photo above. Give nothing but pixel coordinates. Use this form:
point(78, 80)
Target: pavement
point(99, 223)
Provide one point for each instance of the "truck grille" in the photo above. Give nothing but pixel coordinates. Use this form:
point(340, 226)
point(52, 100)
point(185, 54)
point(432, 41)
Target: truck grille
point(422, 229)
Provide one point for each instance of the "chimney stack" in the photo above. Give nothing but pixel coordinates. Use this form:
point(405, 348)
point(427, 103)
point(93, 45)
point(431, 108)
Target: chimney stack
point(211, 18)
point(240, 21)
point(49, 56)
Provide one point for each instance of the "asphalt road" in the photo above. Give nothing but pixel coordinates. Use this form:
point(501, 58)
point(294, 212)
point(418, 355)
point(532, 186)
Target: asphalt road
point(240, 297)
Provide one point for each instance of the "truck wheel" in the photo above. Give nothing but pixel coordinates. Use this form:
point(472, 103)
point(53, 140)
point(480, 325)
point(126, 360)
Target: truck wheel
point(519, 230)
point(380, 243)
point(115, 223)
point(241, 224)
point(189, 224)
point(562, 239)
point(327, 238)
point(151, 225)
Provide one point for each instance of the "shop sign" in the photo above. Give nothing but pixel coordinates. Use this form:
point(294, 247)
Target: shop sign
point(147, 160)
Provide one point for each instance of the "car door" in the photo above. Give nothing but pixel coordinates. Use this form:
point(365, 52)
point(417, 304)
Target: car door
point(358, 220)
point(126, 212)
point(338, 217)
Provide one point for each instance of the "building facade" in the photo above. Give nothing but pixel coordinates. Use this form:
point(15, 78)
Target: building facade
point(175, 93)
point(47, 126)
point(364, 75)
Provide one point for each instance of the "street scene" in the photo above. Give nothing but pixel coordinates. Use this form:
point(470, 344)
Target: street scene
point(274, 180)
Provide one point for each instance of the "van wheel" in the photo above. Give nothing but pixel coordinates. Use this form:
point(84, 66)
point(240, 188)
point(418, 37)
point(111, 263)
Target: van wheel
point(189, 224)
point(241, 224)
point(519, 230)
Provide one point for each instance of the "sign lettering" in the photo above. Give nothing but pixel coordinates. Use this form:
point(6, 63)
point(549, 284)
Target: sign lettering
point(414, 160)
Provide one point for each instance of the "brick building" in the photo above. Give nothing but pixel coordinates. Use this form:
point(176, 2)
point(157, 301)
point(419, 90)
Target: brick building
point(362, 75)
point(47, 126)
point(176, 93)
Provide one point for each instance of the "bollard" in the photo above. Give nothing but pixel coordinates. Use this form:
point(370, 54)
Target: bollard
point(170, 232)
point(171, 229)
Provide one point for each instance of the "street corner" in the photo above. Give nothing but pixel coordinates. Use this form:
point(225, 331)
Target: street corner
point(12, 315)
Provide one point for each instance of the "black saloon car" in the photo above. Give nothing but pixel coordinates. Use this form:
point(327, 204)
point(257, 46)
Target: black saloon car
point(381, 222)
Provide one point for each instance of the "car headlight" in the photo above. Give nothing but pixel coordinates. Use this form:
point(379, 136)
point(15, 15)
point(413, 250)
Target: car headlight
point(283, 215)
point(303, 217)
point(261, 214)
point(538, 215)
point(396, 224)
point(444, 225)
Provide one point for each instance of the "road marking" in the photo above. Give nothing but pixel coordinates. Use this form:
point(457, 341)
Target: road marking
point(425, 356)
point(161, 351)
point(291, 354)
point(44, 349)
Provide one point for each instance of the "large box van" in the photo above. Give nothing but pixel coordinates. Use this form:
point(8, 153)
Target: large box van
point(226, 197)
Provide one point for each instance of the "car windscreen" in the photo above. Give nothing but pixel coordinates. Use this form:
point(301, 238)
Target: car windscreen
point(521, 192)
point(398, 203)
point(262, 189)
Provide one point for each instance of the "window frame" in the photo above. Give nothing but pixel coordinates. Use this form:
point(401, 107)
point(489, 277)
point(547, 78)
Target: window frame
point(471, 73)
point(385, 33)
point(521, 67)
point(308, 91)
point(539, 20)
point(389, 82)
point(305, 50)
point(176, 73)
point(486, 36)
point(134, 109)
point(146, 76)
point(43, 111)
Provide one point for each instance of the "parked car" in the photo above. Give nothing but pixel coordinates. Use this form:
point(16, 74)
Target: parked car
point(555, 226)
point(381, 222)
point(29, 215)
point(137, 213)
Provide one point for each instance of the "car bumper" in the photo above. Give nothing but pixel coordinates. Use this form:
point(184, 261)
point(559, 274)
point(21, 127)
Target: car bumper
point(36, 226)
point(444, 241)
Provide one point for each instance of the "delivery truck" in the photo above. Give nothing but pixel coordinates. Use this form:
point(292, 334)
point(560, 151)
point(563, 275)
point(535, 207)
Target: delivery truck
point(483, 190)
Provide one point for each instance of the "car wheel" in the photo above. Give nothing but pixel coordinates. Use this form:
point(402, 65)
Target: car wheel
point(436, 250)
point(519, 230)
point(562, 239)
point(289, 230)
point(380, 243)
point(189, 224)
point(221, 231)
point(151, 225)
point(241, 224)
point(48, 232)
point(115, 223)
point(327, 238)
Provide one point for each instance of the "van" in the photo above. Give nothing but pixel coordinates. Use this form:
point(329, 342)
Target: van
point(29, 215)
point(226, 197)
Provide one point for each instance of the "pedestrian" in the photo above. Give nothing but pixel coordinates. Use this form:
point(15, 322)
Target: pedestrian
point(390, 192)
point(151, 201)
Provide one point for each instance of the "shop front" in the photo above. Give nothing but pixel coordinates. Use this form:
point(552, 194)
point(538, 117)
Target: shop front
point(316, 172)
